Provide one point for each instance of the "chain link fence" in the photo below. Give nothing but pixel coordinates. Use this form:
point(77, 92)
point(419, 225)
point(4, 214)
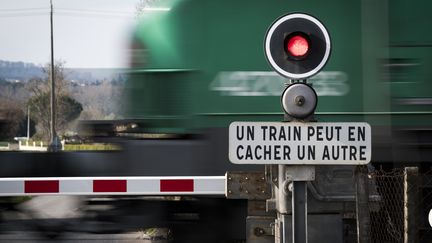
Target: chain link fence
point(386, 215)
point(388, 211)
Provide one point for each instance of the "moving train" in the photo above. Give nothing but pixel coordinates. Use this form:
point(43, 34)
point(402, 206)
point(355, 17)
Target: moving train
point(199, 65)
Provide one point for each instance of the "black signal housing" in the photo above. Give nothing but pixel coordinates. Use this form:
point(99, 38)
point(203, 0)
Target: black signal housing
point(284, 61)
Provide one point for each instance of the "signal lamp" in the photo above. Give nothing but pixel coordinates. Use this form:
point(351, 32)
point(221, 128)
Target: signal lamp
point(297, 45)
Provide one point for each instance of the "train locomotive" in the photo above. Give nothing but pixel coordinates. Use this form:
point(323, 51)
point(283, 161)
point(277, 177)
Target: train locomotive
point(201, 65)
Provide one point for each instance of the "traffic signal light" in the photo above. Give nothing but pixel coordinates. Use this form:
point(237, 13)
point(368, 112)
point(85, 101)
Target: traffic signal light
point(297, 46)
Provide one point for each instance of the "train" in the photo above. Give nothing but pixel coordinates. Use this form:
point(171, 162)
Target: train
point(201, 65)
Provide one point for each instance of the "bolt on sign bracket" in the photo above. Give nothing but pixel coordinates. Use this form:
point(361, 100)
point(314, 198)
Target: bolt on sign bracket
point(247, 185)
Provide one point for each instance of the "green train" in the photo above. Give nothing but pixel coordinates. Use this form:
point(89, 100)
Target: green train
point(201, 64)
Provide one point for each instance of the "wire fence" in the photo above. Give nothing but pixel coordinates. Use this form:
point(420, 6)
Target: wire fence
point(388, 214)
point(387, 222)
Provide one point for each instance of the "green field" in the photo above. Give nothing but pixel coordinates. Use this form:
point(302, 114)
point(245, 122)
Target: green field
point(91, 147)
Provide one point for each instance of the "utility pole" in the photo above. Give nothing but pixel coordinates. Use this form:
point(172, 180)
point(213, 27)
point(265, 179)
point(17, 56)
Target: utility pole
point(55, 144)
point(28, 122)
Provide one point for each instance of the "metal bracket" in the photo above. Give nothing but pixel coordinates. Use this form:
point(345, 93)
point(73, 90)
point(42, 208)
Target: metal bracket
point(300, 173)
point(247, 185)
point(271, 172)
point(260, 229)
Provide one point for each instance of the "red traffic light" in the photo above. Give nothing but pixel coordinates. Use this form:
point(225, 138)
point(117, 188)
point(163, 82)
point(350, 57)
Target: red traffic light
point(297, 45)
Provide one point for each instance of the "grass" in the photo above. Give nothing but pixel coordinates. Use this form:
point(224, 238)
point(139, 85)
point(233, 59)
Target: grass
point(91, 147)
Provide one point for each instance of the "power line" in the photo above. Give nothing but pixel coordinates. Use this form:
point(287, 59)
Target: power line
point(22, 15)
point(71, 14)
point(22, 9)
point(24, 12)
point(94, 11)
point(68, 9)
point(66, 12)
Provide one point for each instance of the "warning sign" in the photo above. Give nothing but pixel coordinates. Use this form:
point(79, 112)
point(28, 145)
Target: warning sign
point(299, 143)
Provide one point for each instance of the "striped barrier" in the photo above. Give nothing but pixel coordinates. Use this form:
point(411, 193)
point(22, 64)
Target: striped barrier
point(198, 185)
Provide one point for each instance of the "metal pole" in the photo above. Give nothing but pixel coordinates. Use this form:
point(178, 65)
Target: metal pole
point(362, 205)
point(285, 231)
point(292, 181)
point(54, 141)
point(411, 205)
point(294, 178)
point(299, 212)
point(52, 100)
point(283, 193)
point(282, 201)
point(28, 123)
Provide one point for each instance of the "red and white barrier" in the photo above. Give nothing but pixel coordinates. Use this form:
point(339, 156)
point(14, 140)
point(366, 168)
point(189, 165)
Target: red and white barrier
point(197, 185)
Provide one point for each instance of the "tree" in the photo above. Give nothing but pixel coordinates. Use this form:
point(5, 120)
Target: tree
point(67, 108)
point(11, 117)
point(100, 101)
point(12, 110)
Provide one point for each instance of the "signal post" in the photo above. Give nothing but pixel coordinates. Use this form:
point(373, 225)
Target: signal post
point(297, 46)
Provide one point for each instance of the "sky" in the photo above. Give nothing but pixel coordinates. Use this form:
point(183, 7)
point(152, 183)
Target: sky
point(87, 33)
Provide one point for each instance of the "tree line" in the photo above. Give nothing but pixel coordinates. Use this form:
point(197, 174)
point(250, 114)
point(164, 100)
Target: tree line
point(90, 102)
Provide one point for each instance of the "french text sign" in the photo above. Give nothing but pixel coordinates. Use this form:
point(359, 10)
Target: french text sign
point(299, 143)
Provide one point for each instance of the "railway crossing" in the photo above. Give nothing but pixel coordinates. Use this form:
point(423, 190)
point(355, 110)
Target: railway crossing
point(297, 46)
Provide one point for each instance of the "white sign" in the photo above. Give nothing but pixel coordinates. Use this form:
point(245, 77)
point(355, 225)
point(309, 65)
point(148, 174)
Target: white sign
point(299, 143)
